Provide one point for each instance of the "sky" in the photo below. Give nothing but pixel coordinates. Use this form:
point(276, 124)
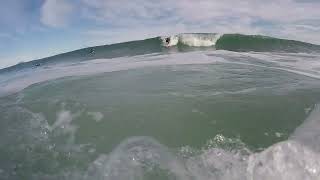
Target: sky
point(33, 29)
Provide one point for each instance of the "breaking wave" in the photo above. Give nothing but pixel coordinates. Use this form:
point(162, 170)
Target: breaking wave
point(195, 40)
point(177, 43)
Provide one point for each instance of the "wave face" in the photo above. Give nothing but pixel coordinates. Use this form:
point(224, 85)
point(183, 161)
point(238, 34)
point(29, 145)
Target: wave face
point(240, 43)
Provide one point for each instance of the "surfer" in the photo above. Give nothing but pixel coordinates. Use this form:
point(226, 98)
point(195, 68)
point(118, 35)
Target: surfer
point(167, 40)
point(91, 51)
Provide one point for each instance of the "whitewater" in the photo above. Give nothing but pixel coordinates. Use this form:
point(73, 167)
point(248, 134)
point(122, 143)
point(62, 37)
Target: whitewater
point(187, 106)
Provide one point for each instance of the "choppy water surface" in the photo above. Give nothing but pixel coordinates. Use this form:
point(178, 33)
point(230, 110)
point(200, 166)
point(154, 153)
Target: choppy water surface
point(195, 115)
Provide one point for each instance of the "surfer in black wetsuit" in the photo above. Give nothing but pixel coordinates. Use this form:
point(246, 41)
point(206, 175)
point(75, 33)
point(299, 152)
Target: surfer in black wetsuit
point(168, 40)
point(91, 51)
point(36, 65)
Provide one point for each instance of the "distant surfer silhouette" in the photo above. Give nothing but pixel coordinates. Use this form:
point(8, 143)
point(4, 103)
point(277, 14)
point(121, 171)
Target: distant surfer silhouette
point(167, 40)
point(91, 51)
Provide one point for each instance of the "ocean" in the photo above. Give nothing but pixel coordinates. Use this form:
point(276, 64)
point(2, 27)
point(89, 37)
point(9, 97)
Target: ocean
point(194, 106)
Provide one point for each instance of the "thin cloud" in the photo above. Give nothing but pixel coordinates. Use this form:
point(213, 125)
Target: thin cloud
point(205, 15)
point(56, 13)
point(108, 21)
point(5, 35)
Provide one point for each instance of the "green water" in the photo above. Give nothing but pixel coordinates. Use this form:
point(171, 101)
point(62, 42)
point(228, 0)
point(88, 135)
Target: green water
point(149, 111)
point(239, 42)
point(179, 106)
point(188, 109)
point(231, 42)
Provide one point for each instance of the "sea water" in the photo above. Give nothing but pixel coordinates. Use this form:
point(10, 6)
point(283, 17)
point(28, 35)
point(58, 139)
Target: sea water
point(195, 114)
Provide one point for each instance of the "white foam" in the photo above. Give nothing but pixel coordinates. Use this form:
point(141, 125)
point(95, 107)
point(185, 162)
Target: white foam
point(199, 40)
point(97, 116)
point(195, 40)
point(64, 119)
point(287, 160)
point(222, 159)
point(170, 40)
point(138, 156)
point(308, 133)
point(63, 125)
point(132, 157)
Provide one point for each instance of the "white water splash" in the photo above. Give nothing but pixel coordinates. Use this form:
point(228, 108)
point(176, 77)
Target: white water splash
point(221, 159)
point(189, 39)
point(97, 116)
point(288, 160)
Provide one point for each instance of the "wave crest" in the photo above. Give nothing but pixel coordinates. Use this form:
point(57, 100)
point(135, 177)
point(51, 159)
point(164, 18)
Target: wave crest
point(191, 39)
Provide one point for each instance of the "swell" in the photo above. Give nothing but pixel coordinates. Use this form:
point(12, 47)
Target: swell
point(175, 43)
point(131, 48)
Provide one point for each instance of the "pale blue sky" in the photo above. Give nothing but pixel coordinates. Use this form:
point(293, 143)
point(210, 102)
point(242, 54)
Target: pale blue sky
point(31, 29)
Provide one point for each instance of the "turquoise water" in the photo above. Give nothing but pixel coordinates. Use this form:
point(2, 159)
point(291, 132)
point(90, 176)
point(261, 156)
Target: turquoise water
point(191, 112)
